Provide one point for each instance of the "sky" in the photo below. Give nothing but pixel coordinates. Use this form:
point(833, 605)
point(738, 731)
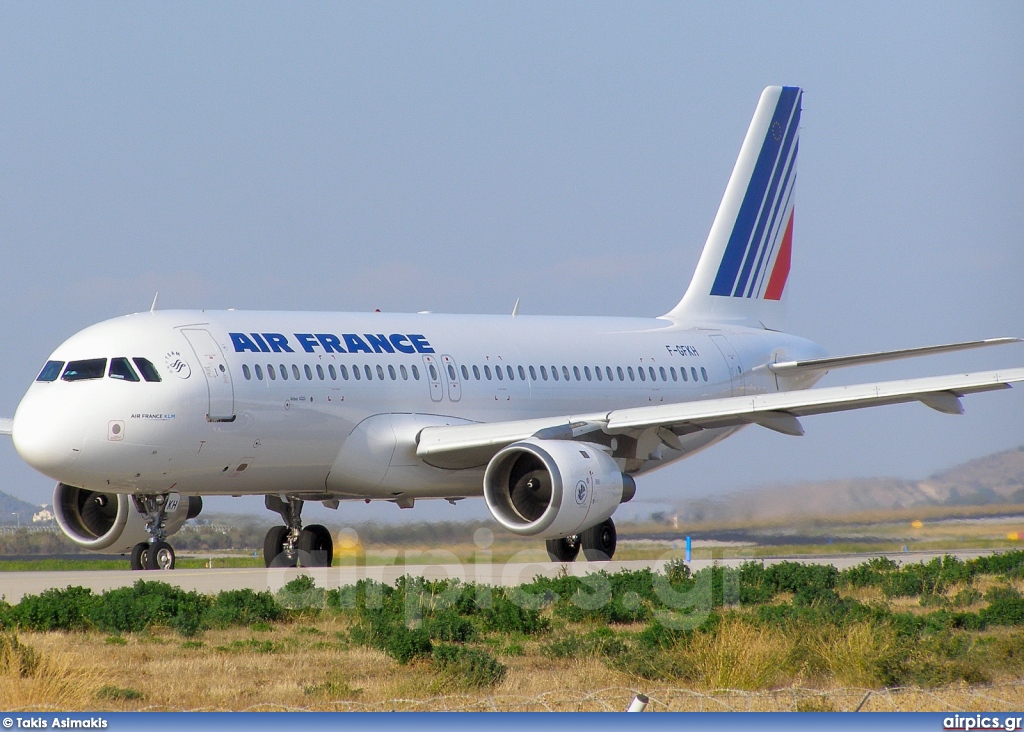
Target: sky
point(457, 156)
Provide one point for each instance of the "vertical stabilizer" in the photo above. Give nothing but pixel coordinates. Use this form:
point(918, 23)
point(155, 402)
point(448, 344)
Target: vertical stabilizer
point(741, 275)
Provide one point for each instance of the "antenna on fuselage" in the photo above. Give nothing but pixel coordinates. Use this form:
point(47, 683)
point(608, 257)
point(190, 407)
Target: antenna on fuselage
point(152, 308)
point(515, 308)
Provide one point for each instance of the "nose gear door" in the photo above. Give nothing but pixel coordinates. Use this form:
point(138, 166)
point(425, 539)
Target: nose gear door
point(215, 369)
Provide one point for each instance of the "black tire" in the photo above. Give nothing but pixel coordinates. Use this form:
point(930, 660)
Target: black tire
point(273, 548)
point(563, 550)
point(316, 548)
point(599, 542)
point(160, 555)
point(138, 556)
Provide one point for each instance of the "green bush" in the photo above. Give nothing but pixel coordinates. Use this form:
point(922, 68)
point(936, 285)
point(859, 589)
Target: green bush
point(117, 693)
point(1005, 607)
point(448, 625)
point(54, 610)
point(302, 593)
point(509, 617)
point(242, 607)
point(468, 666)
point(146, 604)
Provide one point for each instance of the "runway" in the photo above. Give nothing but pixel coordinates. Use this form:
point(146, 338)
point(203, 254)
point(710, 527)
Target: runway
point(15, 585)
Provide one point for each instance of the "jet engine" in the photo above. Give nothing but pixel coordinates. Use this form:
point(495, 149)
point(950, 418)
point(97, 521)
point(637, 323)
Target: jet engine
point(552, 489)
point(110, 522)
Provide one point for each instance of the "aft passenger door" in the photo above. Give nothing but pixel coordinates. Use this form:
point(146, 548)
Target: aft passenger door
point(732, 361)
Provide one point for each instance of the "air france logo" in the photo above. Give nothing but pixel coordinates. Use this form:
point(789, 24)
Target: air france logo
point(331, 343)
point(581, 492)
point(177, 365)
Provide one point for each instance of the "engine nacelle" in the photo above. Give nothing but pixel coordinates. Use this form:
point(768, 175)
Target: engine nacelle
point(554, 488)
point(110, 522)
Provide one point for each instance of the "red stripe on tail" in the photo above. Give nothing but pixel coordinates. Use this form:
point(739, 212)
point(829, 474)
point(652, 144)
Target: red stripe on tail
point(780, 272)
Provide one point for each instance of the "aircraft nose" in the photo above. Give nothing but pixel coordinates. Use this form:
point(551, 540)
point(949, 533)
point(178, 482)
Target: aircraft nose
point(46, 433)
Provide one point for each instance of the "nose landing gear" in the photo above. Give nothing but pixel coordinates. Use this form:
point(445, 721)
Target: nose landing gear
point(157, 554)
point(292, 545)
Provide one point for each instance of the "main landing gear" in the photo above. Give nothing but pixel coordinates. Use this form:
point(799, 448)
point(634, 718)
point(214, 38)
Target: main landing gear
point(156, 554)
point(597, 543)
point(292, 545)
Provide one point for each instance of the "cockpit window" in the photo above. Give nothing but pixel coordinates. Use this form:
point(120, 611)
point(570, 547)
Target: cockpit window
point(90, 368)
point(50, 371)
point(147, 369)
point(121, 369)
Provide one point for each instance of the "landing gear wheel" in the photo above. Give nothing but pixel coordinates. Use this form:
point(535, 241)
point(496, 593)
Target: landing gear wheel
point(563, 550)
point(316, 548)
point(599, 542)
point(160, 555)
point(273, 548)
point(138, 557)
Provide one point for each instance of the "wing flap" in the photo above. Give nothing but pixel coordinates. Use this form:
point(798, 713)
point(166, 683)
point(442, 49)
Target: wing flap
point(788, 368)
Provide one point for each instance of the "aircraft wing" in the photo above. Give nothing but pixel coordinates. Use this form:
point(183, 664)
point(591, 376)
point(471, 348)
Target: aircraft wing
point(6, 426)
point(788, 368)
point(460, 446)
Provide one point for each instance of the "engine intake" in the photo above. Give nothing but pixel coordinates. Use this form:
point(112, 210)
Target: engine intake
point(110, 522)
point(554, 488)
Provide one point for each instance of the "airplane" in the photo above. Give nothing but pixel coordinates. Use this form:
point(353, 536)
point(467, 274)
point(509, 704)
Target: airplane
point(548, 418)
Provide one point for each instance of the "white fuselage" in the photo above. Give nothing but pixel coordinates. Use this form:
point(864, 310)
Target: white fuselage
point(217, 423)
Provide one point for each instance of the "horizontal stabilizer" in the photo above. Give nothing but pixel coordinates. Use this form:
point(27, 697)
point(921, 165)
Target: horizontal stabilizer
point(791, 368)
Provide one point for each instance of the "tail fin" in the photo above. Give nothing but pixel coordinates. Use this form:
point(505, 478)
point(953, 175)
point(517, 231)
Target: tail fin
point(741, 274)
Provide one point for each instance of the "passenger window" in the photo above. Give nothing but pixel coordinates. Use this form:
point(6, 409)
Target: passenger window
point(693, 373)
point(309, 372)
point(284, 372)
point(654, 376)
point(618, 370)
point(497, 372)
point(522, 374)
point(576, 372)
point(554, 373)
point(672, 370)
point(380, 372)
point(452, 376)
point(629, 370)
point(320, 372)
point(544, 373)
point(92, 368)
point(586, 372)
point(597, 373)
point(259, 372)
point(664, 376)
point(369, 374)
point(391, 373)
point(356, 373)
point(465, 373)
point(511, 373)
point(682, 372)
point(51, 370)
point(415, 372)
point(640, 373)
point(404, 371)
point(295, 372)
point(476, 372)
point(121, 369)
point(147, 369)
point(565, 372)
point(343, 370)
point(271, 373)
point(533, 374)
point(433, 372)
point(245, 371)
point(487, 372)
point(703, 373)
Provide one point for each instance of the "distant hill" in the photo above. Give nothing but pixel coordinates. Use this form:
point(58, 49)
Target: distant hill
point(994, 479)
point(9, 506)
